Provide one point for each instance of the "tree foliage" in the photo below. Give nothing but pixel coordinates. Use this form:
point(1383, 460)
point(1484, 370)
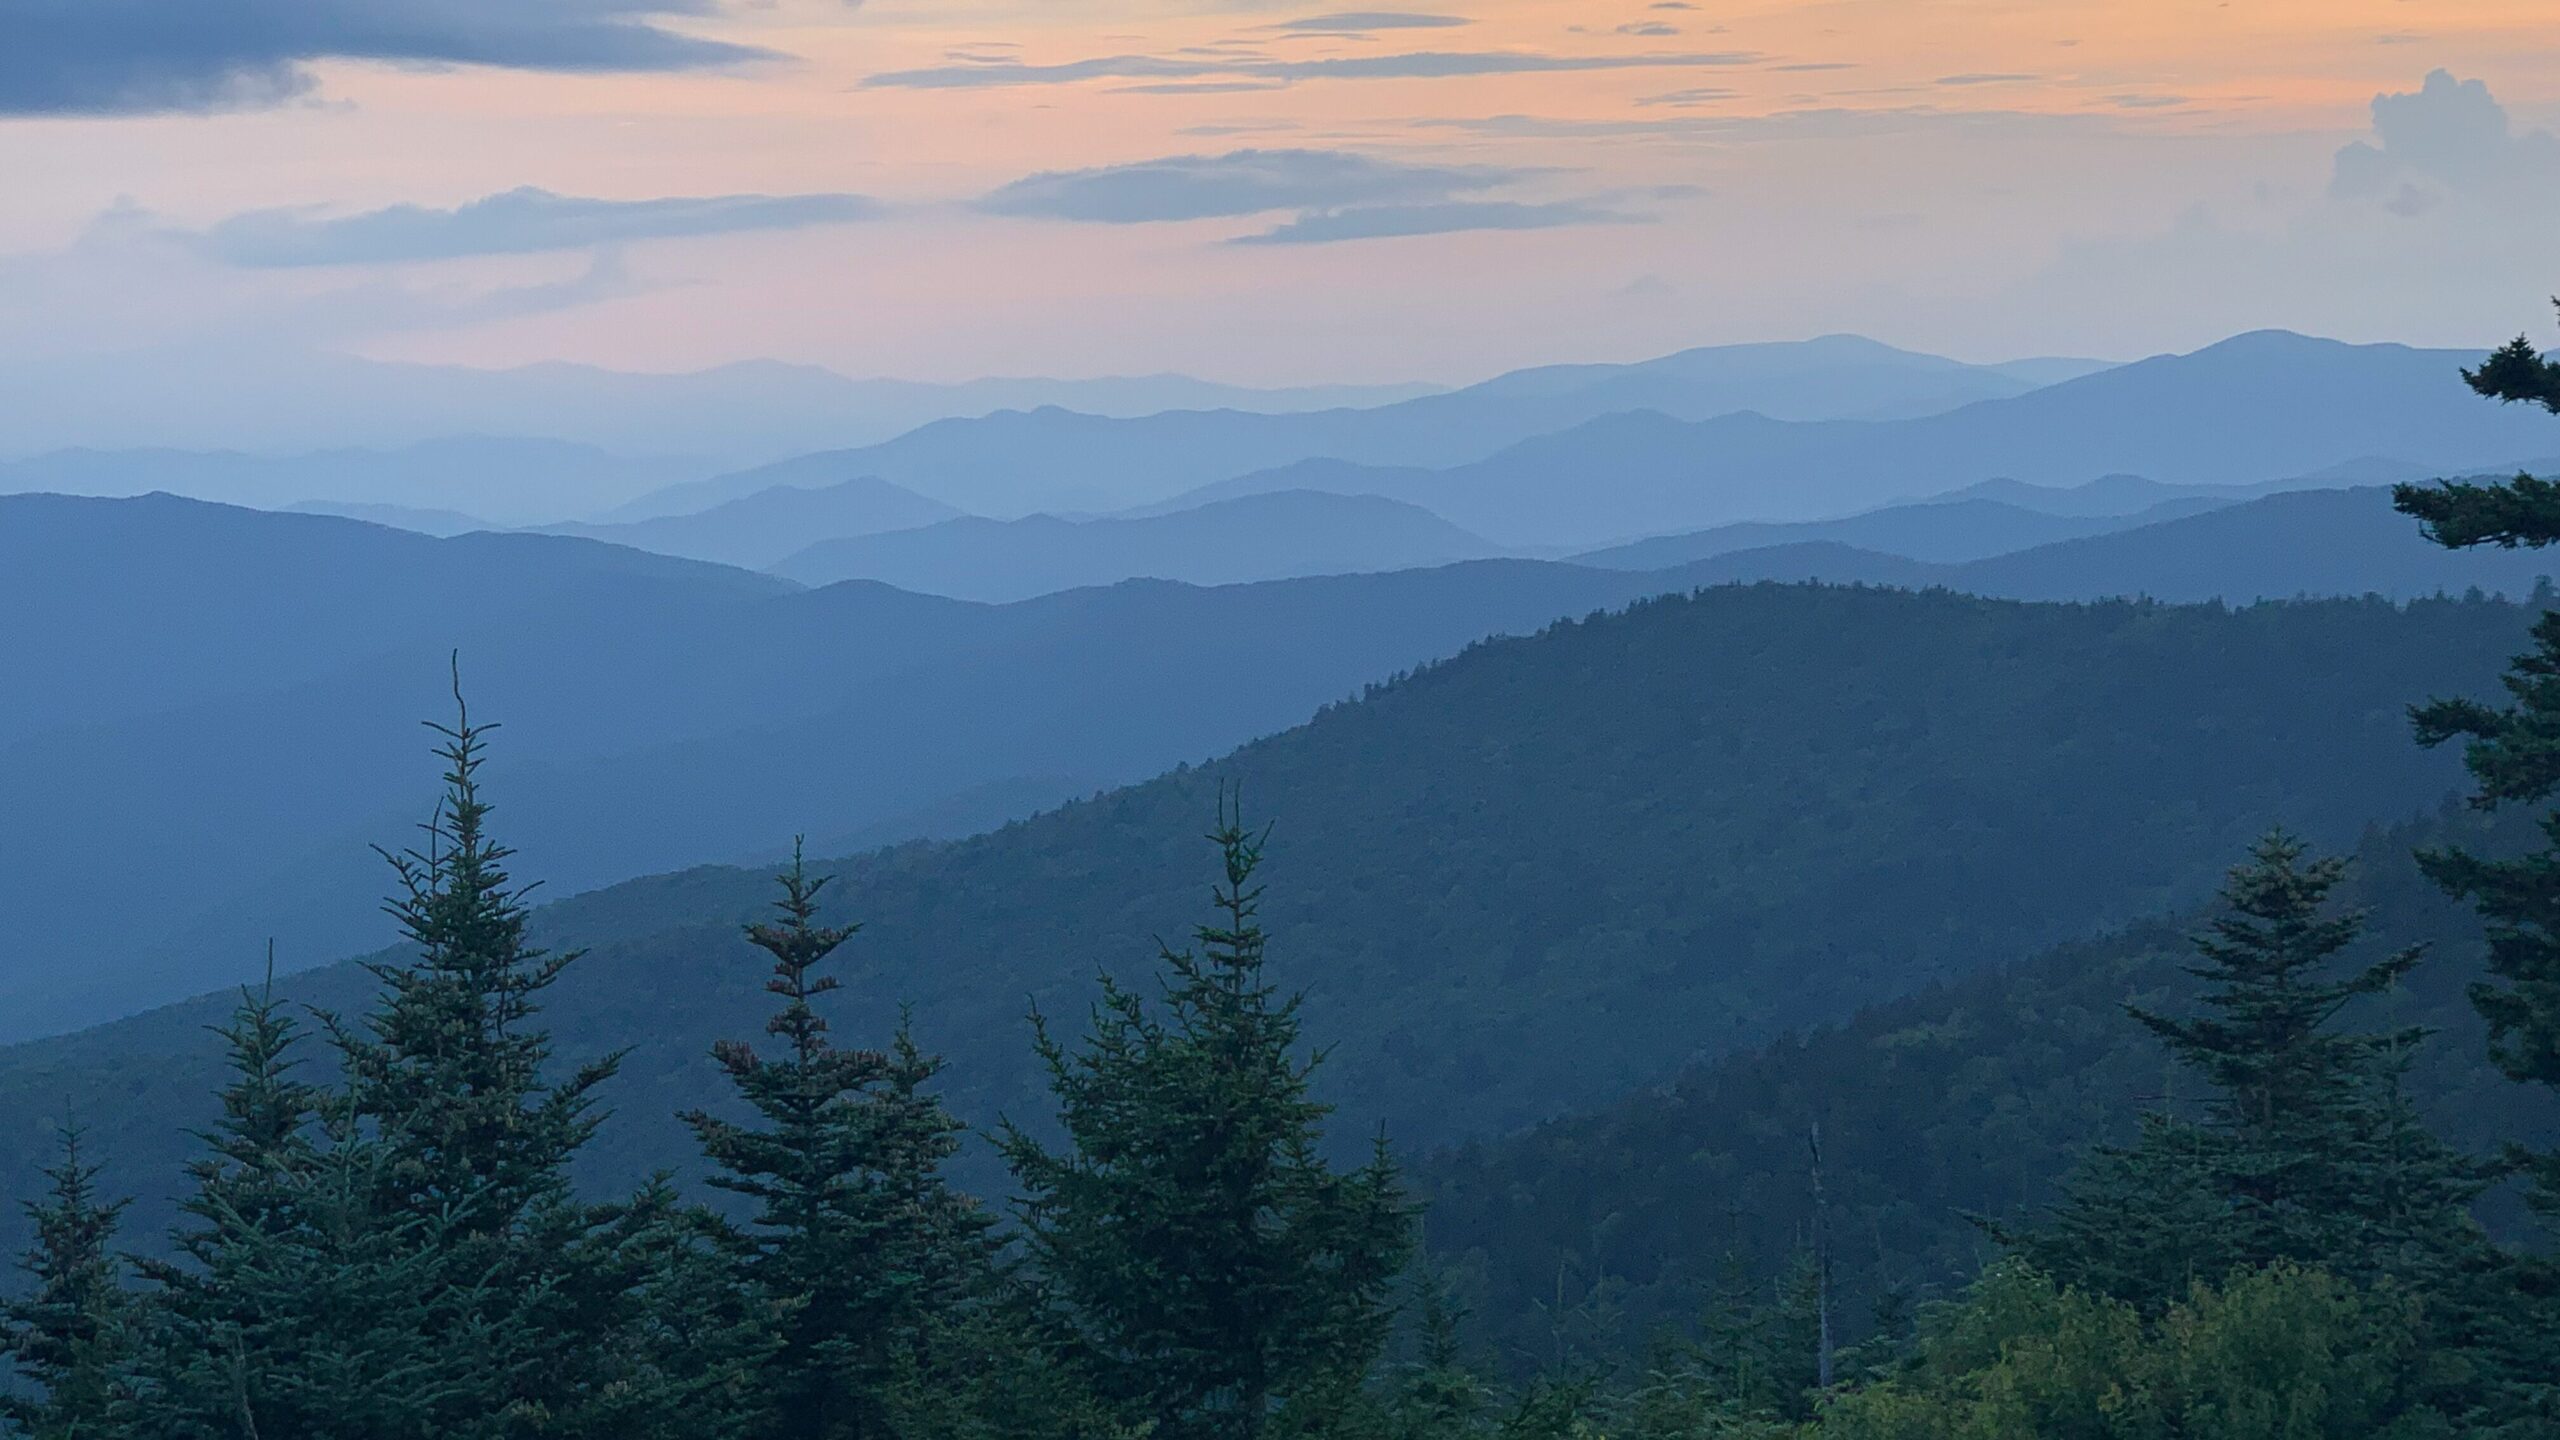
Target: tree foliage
point(1224, 1277)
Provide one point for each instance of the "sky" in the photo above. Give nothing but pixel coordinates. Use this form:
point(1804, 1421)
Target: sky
point(1266, 193)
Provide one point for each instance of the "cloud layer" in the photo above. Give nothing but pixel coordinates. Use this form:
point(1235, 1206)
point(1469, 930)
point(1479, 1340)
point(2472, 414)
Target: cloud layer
point(1381, 222)
point(109, 57)
point(517, 222)
point(1418, 65)
point(1362, 22)
point(1244, 182)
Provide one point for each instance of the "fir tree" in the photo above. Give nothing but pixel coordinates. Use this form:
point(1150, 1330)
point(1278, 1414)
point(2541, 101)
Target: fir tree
point(2142, 1223)
point(229, 1336)
point(692, 1343)
point(72, 1337)
point(2524, 511)
point(2308, 1151)
point(451, 1061)
point(2513, 755)
point(856, 1244)
point(449, 1074)
point(1219, 1271)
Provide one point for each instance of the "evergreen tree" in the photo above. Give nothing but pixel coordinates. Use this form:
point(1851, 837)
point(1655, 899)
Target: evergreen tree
point(2142, 1222)
point(692, 1344)
point(857, 1244)
point(1221, 1274)
point(449, 1074)
point(2308, 1152)
point(72, 1337)
point(2513, 755)
point(451, 1061)
point(229, 1338)
point(348, 1323)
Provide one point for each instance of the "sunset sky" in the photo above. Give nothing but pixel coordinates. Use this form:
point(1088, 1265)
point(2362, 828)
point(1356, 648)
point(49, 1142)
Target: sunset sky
point(1267, 193)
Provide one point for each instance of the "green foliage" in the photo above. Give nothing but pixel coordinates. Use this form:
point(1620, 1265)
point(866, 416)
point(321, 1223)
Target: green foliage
point(450, 1063)
point(2278, 1354)
point(2514, 758)
point(856, 1245)
point(448, 1076)
point(72, 1336)
point(2308, 1151)
point(2524, 511)
point(1224, 1277)
point(1974, 1098)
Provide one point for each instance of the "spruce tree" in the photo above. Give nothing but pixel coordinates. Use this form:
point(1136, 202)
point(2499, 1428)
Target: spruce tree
point(71, 1338)
point(449, 1074)
point(856, 1243)
point(2513, 754)
point(229, 1337)
point(2141, 1223)
point(1219, 1271)
point(299, 1304)
point(2307, 1152)
point(452, 1061)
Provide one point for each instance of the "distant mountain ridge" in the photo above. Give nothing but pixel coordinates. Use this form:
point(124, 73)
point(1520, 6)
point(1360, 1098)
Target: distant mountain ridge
point(1013, 464)
point(2287, 544)
point(233, 711)
point(758, 530)
point(1940, 532)
point(502, 481)
point(738, 414)
point(2254, 407)
point(1277, 536)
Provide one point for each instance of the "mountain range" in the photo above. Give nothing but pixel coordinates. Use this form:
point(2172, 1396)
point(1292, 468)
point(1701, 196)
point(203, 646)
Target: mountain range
point(282, 401)
point(246, 687)
point(1940, 531)
point(1274, 536)
point(1024, 462)
point(761, 529)
point(503, 482)
point(226, 699)
point(1513, 884)
point(2308, 542)
point(2245, 411)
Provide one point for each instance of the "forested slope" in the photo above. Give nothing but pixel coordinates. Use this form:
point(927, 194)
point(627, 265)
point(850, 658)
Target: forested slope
point(1520, 882)
point(1969, 1099)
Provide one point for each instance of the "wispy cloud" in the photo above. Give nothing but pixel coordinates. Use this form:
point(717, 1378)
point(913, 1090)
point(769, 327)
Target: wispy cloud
point(1245, 182)
point(1362, 22)
point(1419, 65)
point(108, 57)
point(1828, 123)
point(518, 222)
point(1381, 222)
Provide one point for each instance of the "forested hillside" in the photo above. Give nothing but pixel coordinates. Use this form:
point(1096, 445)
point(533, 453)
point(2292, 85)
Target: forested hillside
point(1520, 881)
point(1970, 1099)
